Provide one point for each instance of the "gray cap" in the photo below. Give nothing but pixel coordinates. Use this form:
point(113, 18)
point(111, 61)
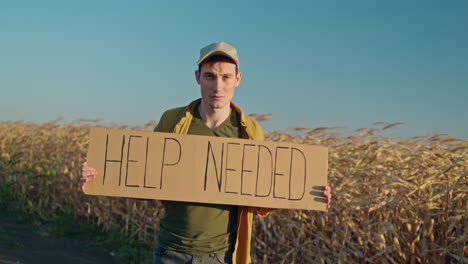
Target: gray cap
point(220, 48)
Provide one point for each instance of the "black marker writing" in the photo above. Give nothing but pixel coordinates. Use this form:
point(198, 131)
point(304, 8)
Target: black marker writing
point(258, 171)
point(243, 170)
point(228, 169)
point(291, 175)
point(106, 160)
point(146, 165)
point(276, 174)
point(164, 158)
point(220, 178)
point(129, 160)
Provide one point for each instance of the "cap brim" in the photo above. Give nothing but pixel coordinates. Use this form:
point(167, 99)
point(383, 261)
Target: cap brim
point(216, 52)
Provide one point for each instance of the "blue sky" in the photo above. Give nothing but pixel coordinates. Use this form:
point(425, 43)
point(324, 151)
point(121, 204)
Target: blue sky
point(308, 63)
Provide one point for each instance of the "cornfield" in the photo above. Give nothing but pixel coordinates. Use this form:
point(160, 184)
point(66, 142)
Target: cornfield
point(395, 200)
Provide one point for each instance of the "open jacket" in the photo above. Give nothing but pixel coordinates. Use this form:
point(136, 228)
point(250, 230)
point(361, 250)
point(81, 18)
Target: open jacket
point(178, 121)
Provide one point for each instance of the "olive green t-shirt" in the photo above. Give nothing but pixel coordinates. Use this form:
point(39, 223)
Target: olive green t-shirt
point(197, 228)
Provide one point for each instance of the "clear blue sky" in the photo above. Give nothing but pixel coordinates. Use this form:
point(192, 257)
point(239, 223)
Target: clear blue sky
point(308, 63)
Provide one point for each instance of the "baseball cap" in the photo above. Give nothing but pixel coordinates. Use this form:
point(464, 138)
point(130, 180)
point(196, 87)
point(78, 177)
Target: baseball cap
point(220, 48)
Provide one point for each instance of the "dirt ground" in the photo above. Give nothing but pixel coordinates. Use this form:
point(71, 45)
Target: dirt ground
point(22, 243)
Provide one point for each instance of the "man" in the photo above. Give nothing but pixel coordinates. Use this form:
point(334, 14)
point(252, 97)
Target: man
point(208, 233)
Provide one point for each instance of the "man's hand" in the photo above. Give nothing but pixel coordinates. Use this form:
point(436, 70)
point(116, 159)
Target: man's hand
point(327, 194)
point(87, 173)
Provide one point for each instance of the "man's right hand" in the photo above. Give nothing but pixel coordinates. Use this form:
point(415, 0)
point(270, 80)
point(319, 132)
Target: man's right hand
point(87, 173)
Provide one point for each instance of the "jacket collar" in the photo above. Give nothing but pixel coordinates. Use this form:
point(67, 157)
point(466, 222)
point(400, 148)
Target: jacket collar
point(190, 109)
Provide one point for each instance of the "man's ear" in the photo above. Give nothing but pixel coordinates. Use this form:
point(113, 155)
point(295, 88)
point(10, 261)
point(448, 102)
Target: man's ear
point(239, 78)
point(197, 76)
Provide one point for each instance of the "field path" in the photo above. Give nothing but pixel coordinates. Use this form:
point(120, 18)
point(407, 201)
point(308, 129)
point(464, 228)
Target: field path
point(20, 243)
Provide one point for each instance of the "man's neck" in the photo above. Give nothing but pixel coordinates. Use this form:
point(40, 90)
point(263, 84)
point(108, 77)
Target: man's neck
point(213, 118)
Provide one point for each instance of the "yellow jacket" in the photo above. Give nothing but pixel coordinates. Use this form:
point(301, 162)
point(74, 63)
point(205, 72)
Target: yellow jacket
point(178, 121)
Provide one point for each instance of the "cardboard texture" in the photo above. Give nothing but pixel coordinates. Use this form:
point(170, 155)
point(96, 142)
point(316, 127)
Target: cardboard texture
point(165, 166)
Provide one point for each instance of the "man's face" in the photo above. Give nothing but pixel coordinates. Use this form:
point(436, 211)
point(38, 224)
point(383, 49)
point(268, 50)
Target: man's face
point(218, 81)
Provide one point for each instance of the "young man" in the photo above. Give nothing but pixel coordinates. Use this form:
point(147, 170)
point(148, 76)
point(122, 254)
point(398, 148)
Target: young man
point(208, 233)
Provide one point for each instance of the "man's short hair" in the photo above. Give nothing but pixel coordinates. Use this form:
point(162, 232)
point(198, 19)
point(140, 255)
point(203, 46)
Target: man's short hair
point(217, 58)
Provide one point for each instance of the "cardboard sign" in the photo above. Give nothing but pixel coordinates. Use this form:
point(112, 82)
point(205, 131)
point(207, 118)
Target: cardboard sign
point(165, 166)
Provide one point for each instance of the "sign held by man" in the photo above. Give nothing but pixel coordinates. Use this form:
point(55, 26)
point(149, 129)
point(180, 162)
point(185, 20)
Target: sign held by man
point(202, 169)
